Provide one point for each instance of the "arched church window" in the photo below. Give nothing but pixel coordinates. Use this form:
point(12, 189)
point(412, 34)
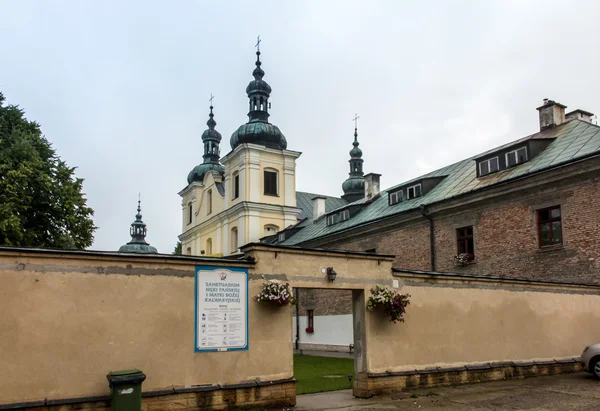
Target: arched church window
point(190, 213)
point(189, 251)
point(209, 246)
point(270, 182)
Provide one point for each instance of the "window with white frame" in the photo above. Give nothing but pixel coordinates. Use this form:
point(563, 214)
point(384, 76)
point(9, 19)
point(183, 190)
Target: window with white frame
point(413, 191)
point(396, 197)
point(270, 182)
point(345, 215)
point(488, 166)
point(517, 156)
point(333, 219)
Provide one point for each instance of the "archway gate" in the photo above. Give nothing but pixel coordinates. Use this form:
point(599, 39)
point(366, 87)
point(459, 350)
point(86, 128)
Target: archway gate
point(307, 269)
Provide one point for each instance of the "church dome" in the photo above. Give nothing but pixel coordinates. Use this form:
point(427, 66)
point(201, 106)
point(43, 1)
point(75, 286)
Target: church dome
point(354, 185)
point(211, 134)
point(356, 152)
point(265, 134)
point(198, 172)
point(138, 242)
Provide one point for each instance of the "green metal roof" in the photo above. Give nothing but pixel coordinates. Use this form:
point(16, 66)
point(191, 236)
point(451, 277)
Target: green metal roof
point(573, 140)
point(305, 203)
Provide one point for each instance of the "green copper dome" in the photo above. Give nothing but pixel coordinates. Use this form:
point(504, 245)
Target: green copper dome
point(265, 134)
point(211, 139)
point(258, 130)
point(354, 186)
point(138, 242)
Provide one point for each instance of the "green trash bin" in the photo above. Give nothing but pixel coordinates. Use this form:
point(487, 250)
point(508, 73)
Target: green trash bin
point(126, 389)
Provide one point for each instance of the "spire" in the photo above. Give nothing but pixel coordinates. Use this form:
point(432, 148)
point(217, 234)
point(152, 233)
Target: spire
point(211, 139)
point(137, 231)
point(354, 186)
point(258, 130)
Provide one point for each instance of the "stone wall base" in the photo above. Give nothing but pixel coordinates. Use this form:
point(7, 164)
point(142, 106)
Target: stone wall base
point(323, 347)
point(367, 384)
point(252, 395)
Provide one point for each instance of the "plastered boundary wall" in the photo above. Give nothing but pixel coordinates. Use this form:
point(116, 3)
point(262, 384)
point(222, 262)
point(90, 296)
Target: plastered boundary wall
point(68, 319)
point(462, 329)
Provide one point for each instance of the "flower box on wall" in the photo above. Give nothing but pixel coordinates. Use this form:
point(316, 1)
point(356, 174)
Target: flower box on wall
point(309, 330)
point(464, 259)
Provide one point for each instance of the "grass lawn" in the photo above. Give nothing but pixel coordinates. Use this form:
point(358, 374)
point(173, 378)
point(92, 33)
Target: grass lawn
point(310, 370)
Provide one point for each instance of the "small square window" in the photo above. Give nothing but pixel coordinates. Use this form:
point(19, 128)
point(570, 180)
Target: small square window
point(517, 156)
point(396, 197)
point(488, 166)
point(414, 191)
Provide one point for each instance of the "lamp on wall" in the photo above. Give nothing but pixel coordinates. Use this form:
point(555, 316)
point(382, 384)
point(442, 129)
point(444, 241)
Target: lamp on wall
point(331, 274)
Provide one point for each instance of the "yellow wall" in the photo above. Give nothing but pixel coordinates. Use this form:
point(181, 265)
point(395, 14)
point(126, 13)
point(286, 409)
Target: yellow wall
point(250, 161)
point(65, 326)
point(69, 318)
point(459, 322)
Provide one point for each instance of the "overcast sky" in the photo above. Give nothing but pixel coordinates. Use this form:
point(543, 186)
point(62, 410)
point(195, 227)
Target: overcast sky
point(121, 88)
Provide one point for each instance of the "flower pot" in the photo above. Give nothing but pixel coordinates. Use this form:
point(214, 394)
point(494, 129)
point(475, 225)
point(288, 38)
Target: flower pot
point(279, 303)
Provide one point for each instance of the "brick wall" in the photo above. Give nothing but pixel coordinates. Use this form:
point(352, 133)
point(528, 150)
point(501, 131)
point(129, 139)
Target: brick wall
point(324, 302)
point(506, 236)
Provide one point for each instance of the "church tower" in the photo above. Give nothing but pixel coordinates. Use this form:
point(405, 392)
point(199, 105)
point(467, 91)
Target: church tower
point(251, 193)
point(138, 242)
point(354, 186)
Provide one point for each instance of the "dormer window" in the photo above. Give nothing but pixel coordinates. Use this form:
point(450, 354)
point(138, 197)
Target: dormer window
point(333, 219)
point(345, 215)
point(413, 191)
point(488, 166)
point(396, 197)
point(517, 156)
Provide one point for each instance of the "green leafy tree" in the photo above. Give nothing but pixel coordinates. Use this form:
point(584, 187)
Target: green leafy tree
point(177, 250)
point(41, 203)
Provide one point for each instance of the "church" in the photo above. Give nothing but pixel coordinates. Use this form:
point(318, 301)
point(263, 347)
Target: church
point(250, 193)
point(527, 209)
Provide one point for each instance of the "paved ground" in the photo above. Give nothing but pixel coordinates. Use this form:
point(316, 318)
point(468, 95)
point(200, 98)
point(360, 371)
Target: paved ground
point(575, 392)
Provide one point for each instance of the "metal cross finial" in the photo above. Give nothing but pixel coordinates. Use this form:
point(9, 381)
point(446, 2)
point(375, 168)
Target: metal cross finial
point(258, 40)
point(355, 119)
point(211, 98)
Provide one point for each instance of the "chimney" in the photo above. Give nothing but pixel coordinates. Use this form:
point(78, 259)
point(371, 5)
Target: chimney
point(371, 185)
point(318, 206)
point(551, 114)
point(580, 115)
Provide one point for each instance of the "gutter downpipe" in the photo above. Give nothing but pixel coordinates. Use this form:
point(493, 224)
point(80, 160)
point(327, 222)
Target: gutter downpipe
point(427, 215)
point(297, 320)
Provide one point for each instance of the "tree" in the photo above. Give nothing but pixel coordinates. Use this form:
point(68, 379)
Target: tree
point(178, 250)
point(41, 203)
